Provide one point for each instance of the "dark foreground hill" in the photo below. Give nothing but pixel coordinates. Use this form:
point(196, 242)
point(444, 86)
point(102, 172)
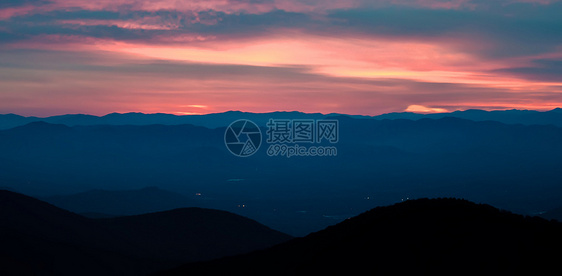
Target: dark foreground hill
point(555, 214)
point(424, 237)
point(121, 202)
point(37, 238)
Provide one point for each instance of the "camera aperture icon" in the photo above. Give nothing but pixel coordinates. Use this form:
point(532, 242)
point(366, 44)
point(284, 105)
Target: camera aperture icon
point(242, 138)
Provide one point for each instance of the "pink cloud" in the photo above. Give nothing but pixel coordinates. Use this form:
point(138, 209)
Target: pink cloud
point(279, 69)
point(322, 74)
point(7, 13)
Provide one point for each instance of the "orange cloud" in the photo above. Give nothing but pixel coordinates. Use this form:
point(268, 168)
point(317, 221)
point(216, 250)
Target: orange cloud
point(425, 109)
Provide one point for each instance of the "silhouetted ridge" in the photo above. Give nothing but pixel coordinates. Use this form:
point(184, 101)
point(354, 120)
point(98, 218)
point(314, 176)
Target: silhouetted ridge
point(21, 210)
point(43, 126)
point(555, 214)
point(425, 236)
point(37, 238)
point(121, 202)
point(195, 233)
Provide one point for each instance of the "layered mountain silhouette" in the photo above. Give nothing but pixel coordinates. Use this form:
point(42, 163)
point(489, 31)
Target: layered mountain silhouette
point(99, 167)
point(209, 120)
point(421, 237)
point(40, 239)
point(379, 162)
point(526, 117)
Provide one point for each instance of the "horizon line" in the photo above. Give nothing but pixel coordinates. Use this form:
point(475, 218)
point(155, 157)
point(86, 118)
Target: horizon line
point(278, 111)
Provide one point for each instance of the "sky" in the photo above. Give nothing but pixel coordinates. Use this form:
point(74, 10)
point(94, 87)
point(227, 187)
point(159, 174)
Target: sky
point(347, 56)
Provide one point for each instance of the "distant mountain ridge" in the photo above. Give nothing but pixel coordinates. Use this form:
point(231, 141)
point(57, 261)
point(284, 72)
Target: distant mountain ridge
point(214, 120)
point(209, 120)
point(513, 116)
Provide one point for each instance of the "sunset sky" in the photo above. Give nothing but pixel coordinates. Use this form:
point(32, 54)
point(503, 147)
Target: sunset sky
point(349, 56)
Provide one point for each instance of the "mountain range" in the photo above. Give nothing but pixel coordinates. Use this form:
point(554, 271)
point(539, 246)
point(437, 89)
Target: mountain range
point(208, 120)
point(378, 162)
point(215, 120)
point(131, 194)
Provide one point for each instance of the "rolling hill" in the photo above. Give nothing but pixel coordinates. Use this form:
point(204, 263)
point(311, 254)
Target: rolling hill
point(122, 202)
point(40, 239)
point(425, 236)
